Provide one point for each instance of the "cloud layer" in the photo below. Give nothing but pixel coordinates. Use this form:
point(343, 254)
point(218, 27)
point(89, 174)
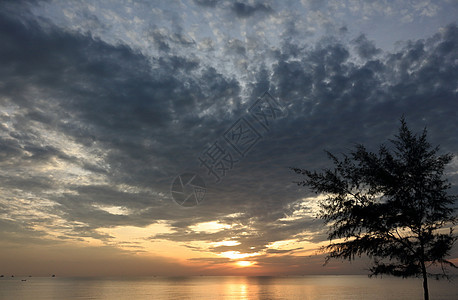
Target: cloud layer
point(95, 126)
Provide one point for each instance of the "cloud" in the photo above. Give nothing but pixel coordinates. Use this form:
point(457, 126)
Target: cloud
point(88, 124)
point(243, 10)
point(163, 39)
point(208, 3)
point(365, 48)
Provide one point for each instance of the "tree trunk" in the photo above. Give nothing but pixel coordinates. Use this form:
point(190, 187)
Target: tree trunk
point(425, 280)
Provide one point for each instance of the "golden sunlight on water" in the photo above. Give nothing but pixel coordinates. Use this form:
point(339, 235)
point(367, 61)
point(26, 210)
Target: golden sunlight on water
point(224, 287)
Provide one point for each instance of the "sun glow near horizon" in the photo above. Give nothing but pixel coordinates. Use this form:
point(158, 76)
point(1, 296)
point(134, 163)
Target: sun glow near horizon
point(245, 263)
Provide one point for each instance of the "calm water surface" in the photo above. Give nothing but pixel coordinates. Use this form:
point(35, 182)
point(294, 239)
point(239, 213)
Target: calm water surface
point(230, 287)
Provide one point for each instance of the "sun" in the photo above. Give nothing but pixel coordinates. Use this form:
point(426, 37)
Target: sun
point(244, 263)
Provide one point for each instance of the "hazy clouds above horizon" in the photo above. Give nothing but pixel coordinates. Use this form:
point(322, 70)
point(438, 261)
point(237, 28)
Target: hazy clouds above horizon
point(103, 103)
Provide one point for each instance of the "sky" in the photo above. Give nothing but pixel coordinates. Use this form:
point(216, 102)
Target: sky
point(106, 105)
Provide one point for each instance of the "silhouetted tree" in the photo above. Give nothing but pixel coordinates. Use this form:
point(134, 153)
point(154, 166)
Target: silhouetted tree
point(392, 206)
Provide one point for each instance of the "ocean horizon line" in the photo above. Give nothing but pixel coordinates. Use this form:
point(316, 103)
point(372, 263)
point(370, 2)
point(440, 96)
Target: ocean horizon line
point(18, 276)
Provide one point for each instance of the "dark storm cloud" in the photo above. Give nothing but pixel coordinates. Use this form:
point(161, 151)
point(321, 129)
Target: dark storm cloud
point(340, 95)
point(9, 149)
point(105, 98)
point(31, 184)
point(334, 104)
point(243, 10)
point(208, 3)
point(236, 47)
point(102, 93)
point(19, 8)
point(148, 118)
point(366, 49)
point(160, 40)
point(163, 39)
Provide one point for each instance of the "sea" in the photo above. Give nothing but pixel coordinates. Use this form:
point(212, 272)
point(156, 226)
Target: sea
point(224, 287)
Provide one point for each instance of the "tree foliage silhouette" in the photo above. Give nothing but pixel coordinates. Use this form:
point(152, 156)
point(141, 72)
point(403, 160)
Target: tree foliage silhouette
point(392, 206)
